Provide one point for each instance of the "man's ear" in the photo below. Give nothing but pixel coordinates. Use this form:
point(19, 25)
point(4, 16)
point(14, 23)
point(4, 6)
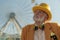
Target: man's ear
point(46, 18)
point(34, 18)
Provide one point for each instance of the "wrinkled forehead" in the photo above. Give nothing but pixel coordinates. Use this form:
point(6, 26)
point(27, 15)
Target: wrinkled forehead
point(37, 12)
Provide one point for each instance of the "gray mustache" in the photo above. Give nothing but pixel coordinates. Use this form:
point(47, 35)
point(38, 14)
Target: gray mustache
point(39, 19)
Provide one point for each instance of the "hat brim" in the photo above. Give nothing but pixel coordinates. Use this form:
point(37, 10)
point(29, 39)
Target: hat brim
point(43, 9)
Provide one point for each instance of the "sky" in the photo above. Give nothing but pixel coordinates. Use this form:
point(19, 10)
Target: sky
point(24, 13)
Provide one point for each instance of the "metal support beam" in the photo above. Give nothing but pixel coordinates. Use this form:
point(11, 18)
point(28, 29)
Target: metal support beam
point(13, 19)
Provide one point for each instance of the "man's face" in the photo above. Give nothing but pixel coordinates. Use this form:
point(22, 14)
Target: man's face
point(40, 16)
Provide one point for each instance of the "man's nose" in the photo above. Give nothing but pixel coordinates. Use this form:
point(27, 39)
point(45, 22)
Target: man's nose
point(40, 15)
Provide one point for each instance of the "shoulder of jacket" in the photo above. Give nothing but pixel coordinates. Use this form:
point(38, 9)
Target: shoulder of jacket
point(52, 23)
point(28, 26)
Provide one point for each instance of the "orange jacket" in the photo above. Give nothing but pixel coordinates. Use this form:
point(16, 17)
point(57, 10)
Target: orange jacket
point(28, 31)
